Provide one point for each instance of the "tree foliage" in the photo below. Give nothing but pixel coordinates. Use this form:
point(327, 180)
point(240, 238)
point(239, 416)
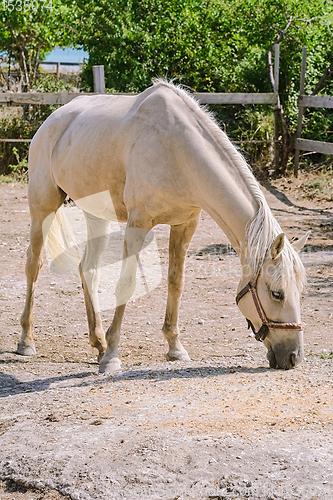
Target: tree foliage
point(208, 45)
point(30, 29)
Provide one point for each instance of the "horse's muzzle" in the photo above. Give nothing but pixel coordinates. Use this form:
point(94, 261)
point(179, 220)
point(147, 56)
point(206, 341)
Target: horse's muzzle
point(284, 360)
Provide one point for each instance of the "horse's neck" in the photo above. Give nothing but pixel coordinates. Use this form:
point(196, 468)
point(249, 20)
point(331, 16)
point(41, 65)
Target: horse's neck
point(232, 204)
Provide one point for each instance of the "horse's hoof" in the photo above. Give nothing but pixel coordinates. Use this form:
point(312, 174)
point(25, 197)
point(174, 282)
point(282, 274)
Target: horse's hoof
point(26, 349)
point(110, 366)
point(178, 356)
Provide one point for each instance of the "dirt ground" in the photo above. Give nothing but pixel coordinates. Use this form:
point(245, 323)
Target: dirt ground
point(221, 426)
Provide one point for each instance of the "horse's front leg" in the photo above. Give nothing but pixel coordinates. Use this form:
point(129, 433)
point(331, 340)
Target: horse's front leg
point(134, 239)
point(180, 237)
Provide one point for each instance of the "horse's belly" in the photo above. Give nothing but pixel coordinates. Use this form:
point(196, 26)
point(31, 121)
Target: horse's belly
point(99, 204)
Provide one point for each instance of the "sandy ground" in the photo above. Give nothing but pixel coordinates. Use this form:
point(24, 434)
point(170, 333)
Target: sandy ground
point(221, 426)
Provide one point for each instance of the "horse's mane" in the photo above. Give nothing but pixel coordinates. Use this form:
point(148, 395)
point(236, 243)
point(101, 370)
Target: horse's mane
point(263, 228)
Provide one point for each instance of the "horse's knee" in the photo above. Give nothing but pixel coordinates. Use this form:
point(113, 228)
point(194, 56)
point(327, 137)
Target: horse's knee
point(175, 286)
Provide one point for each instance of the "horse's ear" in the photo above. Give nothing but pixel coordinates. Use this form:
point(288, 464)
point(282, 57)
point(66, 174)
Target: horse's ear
point(277, 246)
point(299, 244)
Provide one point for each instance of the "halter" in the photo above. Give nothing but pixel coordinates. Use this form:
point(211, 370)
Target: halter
point(266, 325)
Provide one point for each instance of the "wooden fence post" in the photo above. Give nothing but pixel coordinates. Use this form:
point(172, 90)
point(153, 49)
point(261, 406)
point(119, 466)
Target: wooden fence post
point(300, 111)
point(99, 82)
point(276, 110)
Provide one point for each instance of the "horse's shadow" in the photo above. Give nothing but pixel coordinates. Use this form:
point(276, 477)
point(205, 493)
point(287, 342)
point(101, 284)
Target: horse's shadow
point(185, 373)
point(10, 385)
point(279, 195)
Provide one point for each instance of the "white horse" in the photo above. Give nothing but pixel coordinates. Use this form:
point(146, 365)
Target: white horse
point(161, 158)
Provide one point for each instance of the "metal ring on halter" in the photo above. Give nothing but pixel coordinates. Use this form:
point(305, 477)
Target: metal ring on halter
point(266, 325)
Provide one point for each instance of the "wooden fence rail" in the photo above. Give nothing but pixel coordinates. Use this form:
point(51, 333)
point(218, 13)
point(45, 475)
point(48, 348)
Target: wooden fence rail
point(61, 98)
point(38, 98)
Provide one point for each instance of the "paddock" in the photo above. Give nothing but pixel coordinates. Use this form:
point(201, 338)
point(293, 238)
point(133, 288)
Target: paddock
point(223, 425)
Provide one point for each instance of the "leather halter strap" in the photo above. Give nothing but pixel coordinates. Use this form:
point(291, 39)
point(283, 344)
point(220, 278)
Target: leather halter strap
point(266, 325)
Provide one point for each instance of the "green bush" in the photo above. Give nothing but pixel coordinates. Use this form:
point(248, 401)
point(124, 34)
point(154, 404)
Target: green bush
point(247, 123)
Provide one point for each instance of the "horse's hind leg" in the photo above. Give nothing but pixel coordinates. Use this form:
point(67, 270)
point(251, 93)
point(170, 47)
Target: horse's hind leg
point(42, 204)
point(34, 263)
point(180, 237)
point(97, 242)
point(134, 239)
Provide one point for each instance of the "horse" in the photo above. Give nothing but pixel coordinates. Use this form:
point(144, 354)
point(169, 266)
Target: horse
point(160, 158)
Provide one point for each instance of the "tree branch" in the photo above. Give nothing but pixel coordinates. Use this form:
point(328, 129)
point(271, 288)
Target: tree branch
point(36, 62)
point(270, 68)
point(21, 56)
point(278, 39)
point(281, 36)
point(327, 73)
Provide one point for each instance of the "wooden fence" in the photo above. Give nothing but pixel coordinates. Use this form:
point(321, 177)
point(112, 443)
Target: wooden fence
point(309, 102)
point(61, 98)
point(18, 99)
point(57, 66)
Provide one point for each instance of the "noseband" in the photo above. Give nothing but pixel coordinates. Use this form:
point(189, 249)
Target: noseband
point(266, 324)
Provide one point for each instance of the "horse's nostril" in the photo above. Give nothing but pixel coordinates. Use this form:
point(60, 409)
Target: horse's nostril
point(292, 360)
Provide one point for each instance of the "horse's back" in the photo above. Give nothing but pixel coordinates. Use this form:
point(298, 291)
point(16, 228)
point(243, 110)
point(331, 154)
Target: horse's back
point(102, 143)
point(94, 120)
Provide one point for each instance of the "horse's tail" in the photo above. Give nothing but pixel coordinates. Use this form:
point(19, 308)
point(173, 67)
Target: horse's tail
point(60, 244)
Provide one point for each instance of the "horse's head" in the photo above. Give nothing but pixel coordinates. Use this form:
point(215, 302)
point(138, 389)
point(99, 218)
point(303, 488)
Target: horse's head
point(270, 301)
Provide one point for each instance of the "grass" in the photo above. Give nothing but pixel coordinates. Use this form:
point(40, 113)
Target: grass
point(322, 355)
point(7, 179)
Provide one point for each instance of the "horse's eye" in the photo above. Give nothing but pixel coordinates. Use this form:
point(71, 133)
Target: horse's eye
point(277, 295)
